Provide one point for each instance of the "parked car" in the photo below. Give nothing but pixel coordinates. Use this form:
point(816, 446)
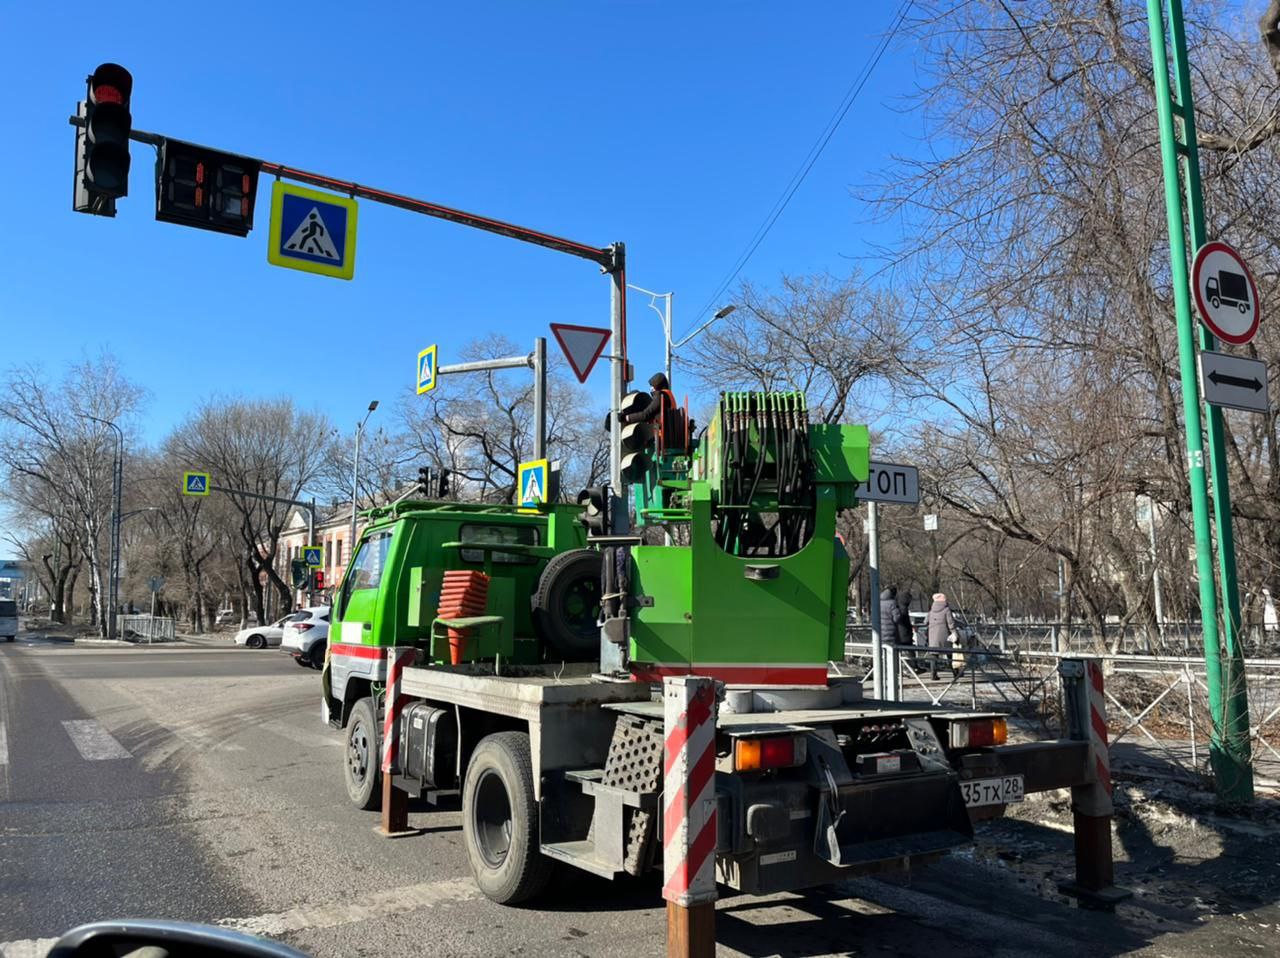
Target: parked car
point(225, 616)
point(306, 636)
point(8, 619)
point(262, 636)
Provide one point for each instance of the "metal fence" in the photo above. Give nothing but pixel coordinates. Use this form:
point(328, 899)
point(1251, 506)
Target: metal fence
point(1158, 704)
point(145, 628)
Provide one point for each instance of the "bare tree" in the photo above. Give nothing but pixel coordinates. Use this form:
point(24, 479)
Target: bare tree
point(54, 451)
point(266, 447)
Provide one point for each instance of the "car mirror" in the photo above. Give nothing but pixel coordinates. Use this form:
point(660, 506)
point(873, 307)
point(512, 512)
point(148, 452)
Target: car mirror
point(164, 939)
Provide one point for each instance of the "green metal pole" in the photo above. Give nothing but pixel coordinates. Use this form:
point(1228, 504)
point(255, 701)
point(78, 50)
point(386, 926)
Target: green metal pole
point(1229, 741)
point(1237, 771)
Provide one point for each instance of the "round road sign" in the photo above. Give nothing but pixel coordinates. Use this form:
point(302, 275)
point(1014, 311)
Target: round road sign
point(1226, 295)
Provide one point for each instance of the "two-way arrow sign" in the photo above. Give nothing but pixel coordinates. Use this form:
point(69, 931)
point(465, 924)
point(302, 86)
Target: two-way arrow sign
point(1233, 381)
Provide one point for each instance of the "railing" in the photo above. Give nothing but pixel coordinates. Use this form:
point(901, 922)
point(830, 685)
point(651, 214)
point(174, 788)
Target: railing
point(145, 628)
point(1159, 704)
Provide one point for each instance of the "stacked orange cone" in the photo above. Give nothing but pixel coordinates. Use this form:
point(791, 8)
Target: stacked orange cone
point(465, 593)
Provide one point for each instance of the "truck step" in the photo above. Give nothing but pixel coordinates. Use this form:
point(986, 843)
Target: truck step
point(582, 855)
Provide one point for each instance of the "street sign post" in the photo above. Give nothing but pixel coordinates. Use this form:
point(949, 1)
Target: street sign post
point(427, 369)
point(195, 483)
point(582, 346)
point(313, 556)
point(1226, 295)
point(889, 482)
point(1234, 381)
point(532, 479)
point(312, 231)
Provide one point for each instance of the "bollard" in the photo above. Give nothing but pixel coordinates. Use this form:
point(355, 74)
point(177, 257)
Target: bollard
point(689, 816)
point(1091, 806)
point(395, 801)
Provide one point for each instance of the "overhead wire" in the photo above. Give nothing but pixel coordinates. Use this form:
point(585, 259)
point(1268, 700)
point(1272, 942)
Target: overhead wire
point(811, 158)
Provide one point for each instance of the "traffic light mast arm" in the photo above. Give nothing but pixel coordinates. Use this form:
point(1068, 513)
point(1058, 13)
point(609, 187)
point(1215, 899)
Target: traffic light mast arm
point(607, 257)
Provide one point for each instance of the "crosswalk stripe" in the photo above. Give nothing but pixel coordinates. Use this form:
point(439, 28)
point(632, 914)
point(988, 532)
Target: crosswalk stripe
point(4, 746)
point(300, 737)
point(93, 741)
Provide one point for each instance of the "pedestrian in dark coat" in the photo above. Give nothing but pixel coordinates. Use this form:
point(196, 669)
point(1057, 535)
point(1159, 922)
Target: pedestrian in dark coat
point(888, 614)
point(906, 634)
point(942, 625)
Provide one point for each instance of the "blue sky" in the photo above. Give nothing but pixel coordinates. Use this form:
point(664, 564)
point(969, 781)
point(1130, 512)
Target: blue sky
point(670, 126)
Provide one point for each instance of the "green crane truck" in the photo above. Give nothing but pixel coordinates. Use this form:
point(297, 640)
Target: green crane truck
point(562, 761)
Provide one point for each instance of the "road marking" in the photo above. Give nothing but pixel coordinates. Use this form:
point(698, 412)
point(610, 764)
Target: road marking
point(4, 746)
point(93, 741)
point(300, 737)
point(380, 904)
point(27, 948)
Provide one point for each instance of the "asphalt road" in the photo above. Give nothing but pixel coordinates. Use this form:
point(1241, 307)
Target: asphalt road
point(198, 783)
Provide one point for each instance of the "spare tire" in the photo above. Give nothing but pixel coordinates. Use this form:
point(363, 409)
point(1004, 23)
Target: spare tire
point(566, 606)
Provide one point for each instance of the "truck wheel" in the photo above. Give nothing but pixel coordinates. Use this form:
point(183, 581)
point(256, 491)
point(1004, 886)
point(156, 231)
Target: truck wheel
point(566, 605)
point(361, 766)
point(255, 642)
point(500, 820)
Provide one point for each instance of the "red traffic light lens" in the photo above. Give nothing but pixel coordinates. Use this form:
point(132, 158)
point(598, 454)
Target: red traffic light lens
point(111, 83)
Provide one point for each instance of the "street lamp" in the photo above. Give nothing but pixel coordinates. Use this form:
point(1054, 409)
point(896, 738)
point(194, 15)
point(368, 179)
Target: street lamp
point(117, 480)
point(355, 477)
point(665, 315)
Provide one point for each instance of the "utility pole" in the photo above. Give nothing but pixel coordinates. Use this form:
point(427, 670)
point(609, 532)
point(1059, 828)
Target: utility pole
point(873, 567)
point(1229, 747)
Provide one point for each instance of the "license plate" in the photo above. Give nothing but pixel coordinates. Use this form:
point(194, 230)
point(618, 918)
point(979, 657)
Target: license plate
point(992, 791)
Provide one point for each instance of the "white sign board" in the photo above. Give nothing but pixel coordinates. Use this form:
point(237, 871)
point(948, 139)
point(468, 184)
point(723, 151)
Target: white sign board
point(887, 482)
point(931, 522)
point(1233, 381)
point(1225, 293)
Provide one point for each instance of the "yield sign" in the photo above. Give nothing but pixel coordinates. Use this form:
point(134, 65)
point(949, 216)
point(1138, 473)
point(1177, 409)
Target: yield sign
point(582, 346)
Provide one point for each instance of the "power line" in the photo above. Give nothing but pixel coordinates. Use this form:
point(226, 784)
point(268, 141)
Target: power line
point(811, 157)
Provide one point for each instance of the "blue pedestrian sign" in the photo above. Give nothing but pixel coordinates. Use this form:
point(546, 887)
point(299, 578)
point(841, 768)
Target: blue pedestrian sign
point(313, 556)
point(532, 483)
point(312, 231)
point(195, 483)
point(427, 369)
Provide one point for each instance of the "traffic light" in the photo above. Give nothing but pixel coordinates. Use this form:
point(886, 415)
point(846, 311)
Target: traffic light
point(636, 438)
point(424, 480)
point(299, 573)
point(443, 491)
point(102, 143)
point(317, 581)
point(596, 514)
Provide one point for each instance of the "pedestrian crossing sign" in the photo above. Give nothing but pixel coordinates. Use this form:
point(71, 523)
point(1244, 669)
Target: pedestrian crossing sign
point(427, 369)
point(313, 556)
point(312, 231)
point(195, 483)
point(531, 479)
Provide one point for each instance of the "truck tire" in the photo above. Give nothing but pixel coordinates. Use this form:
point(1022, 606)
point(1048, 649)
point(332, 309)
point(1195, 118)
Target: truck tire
point(361, 762)
point(566, 606)
point(500, 820)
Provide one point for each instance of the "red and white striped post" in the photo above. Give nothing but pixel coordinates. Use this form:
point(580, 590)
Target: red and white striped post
point(1091, 805)
point(689, 816)
point(395, 802)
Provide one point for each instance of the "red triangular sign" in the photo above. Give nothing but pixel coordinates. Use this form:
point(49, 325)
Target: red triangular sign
point(582, 346)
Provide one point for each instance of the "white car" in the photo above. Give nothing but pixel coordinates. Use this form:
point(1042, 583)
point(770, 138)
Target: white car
point(264, 636)
point(306, 636)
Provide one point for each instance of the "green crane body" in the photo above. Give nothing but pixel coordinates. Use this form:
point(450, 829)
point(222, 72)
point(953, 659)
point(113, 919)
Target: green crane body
point(758, 595)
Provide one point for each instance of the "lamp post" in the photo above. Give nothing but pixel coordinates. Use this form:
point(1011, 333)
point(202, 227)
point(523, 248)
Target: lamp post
point(117, 480)
point(664, 314)
point(355, 477)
